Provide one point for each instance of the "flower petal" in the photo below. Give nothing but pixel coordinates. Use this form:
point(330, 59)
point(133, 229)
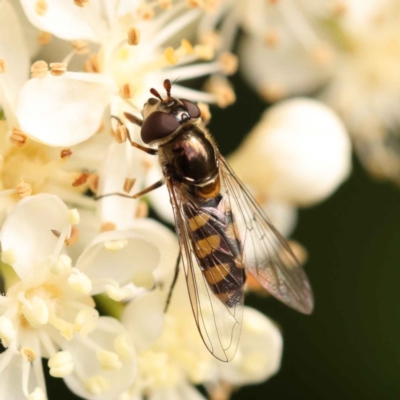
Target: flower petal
point(259, 353)
point(27, 232)
point(63, 110)
point(302, 152)
point(144, 319)
point(66, 20)
point(101, 261)
point(15, 54)
point(93, 379)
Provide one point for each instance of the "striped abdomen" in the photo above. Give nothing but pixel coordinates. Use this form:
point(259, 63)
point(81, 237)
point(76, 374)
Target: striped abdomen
point(218, 251)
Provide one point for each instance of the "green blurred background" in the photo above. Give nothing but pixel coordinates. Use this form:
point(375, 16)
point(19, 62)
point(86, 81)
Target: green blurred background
point(349, 348)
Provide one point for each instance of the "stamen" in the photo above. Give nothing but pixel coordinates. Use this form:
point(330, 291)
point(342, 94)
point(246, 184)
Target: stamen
point(339, 8)
point(2, 66)
point(82, 3)
point(8, 257)
point(62, 265)
point(145, 11)
point(81, 180)
point(205, 113)
point(65, 329)
point(35, 311)
point(7, 331)
point(23, 189)
point(229, 63)
point(133, 36)
point(92, 64)
point(127, 91)
point(142, 210)
point(37, 394)
point(108, 226)
point(44, 38)
point(121, 133)
point(170, 56)
point(41, 7)
point(39, 69)
point(108, 360)
point(115, 245)
point(80, 47)
point(80, 283)
point(204, 52)
point(322, 54)
point(128, 184)
point(165, 4)
point(96, 385)
point(65, 154)
point(93, 182)
point(61, 364)
point(211, 39)
point(271, 38)
point(28, 354)
point(18, 137)
point(123, 347)
point(73, 216)
point(222, 90)
point(273, 92)
point(144, 279)
point(195, 3)
point(58, 69)
point(117, 293)
point(86, 320)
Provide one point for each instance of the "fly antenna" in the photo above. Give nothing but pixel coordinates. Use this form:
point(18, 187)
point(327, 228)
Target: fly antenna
point(155, 93)
point(167, 87)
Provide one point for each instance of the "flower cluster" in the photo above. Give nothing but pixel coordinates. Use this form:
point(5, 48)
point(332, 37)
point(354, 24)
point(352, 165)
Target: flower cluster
point(74, 75)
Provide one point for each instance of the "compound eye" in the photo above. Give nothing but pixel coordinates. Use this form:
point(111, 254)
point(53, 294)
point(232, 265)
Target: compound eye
point(158, 125)
point(192, 108)
point(152, 101)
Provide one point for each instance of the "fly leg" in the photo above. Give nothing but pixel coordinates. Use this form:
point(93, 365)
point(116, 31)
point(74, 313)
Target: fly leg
point(173, 281)
point(136, 195)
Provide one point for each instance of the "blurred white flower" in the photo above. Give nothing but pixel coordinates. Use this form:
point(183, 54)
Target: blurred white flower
point(48, 311)
point(347, 49)
point(172, 358)
point(62, 108)
point(301, 150)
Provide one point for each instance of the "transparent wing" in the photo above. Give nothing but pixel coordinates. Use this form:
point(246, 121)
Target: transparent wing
point(217, 313)
point(266, 254)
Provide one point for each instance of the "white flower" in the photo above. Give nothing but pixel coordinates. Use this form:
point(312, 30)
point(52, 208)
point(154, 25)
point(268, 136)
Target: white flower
point(301, 150)
point(49, 312)
point(172, 362)
point(124, 72)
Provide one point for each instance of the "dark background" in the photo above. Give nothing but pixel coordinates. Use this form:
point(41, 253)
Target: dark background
point(349, 348)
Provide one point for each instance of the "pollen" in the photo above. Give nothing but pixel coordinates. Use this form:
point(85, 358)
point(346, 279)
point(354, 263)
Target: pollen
point(65, 153)
point(80, 47)
point(44, 38)
point(2, 66)
point(229, 63)
point(39, 69)
point(18, 138)
point(58, 69)
point(128, 184)
point(133, 36)
point(170, 56)
point(41, 7)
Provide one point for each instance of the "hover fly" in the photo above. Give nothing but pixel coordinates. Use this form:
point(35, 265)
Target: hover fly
point(222, 231)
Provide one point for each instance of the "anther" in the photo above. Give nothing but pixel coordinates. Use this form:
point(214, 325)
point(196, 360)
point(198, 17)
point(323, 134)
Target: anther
point(339, 8)
point(39, 69)
point(81, 180)
point(145, 11)
point(205, 113)
point(126, 91)
point(170, 56)
point(108, 226)
point(271, 38)
point(61, 364)
point(108, 360)
point(73, 216)
point(23, 189)
point(86, 320)
point(122, 346)
point(82, 3)
point(195, 3)
point(62, 265)
point(65, 154)
point(186, 46)
point(229, 63)
point(28, 354)
point(128, 184)
point(92, 64)
point(41, 7)
point(133, 36)
point(211, 39)
point(273, 92)
point(7, 331)
point(165, 4)
point(142, 210)
point(96, 385)
point(2, 66)
point(115, 245)
point(80, 47)
point(18, 137)
point(93, 182)
point(121, 133)
point(74, 237)
point(222, 90)
point(58, 69)
point(204, 52)
point(80, 283)
point(44, 38)
point(322, 54)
